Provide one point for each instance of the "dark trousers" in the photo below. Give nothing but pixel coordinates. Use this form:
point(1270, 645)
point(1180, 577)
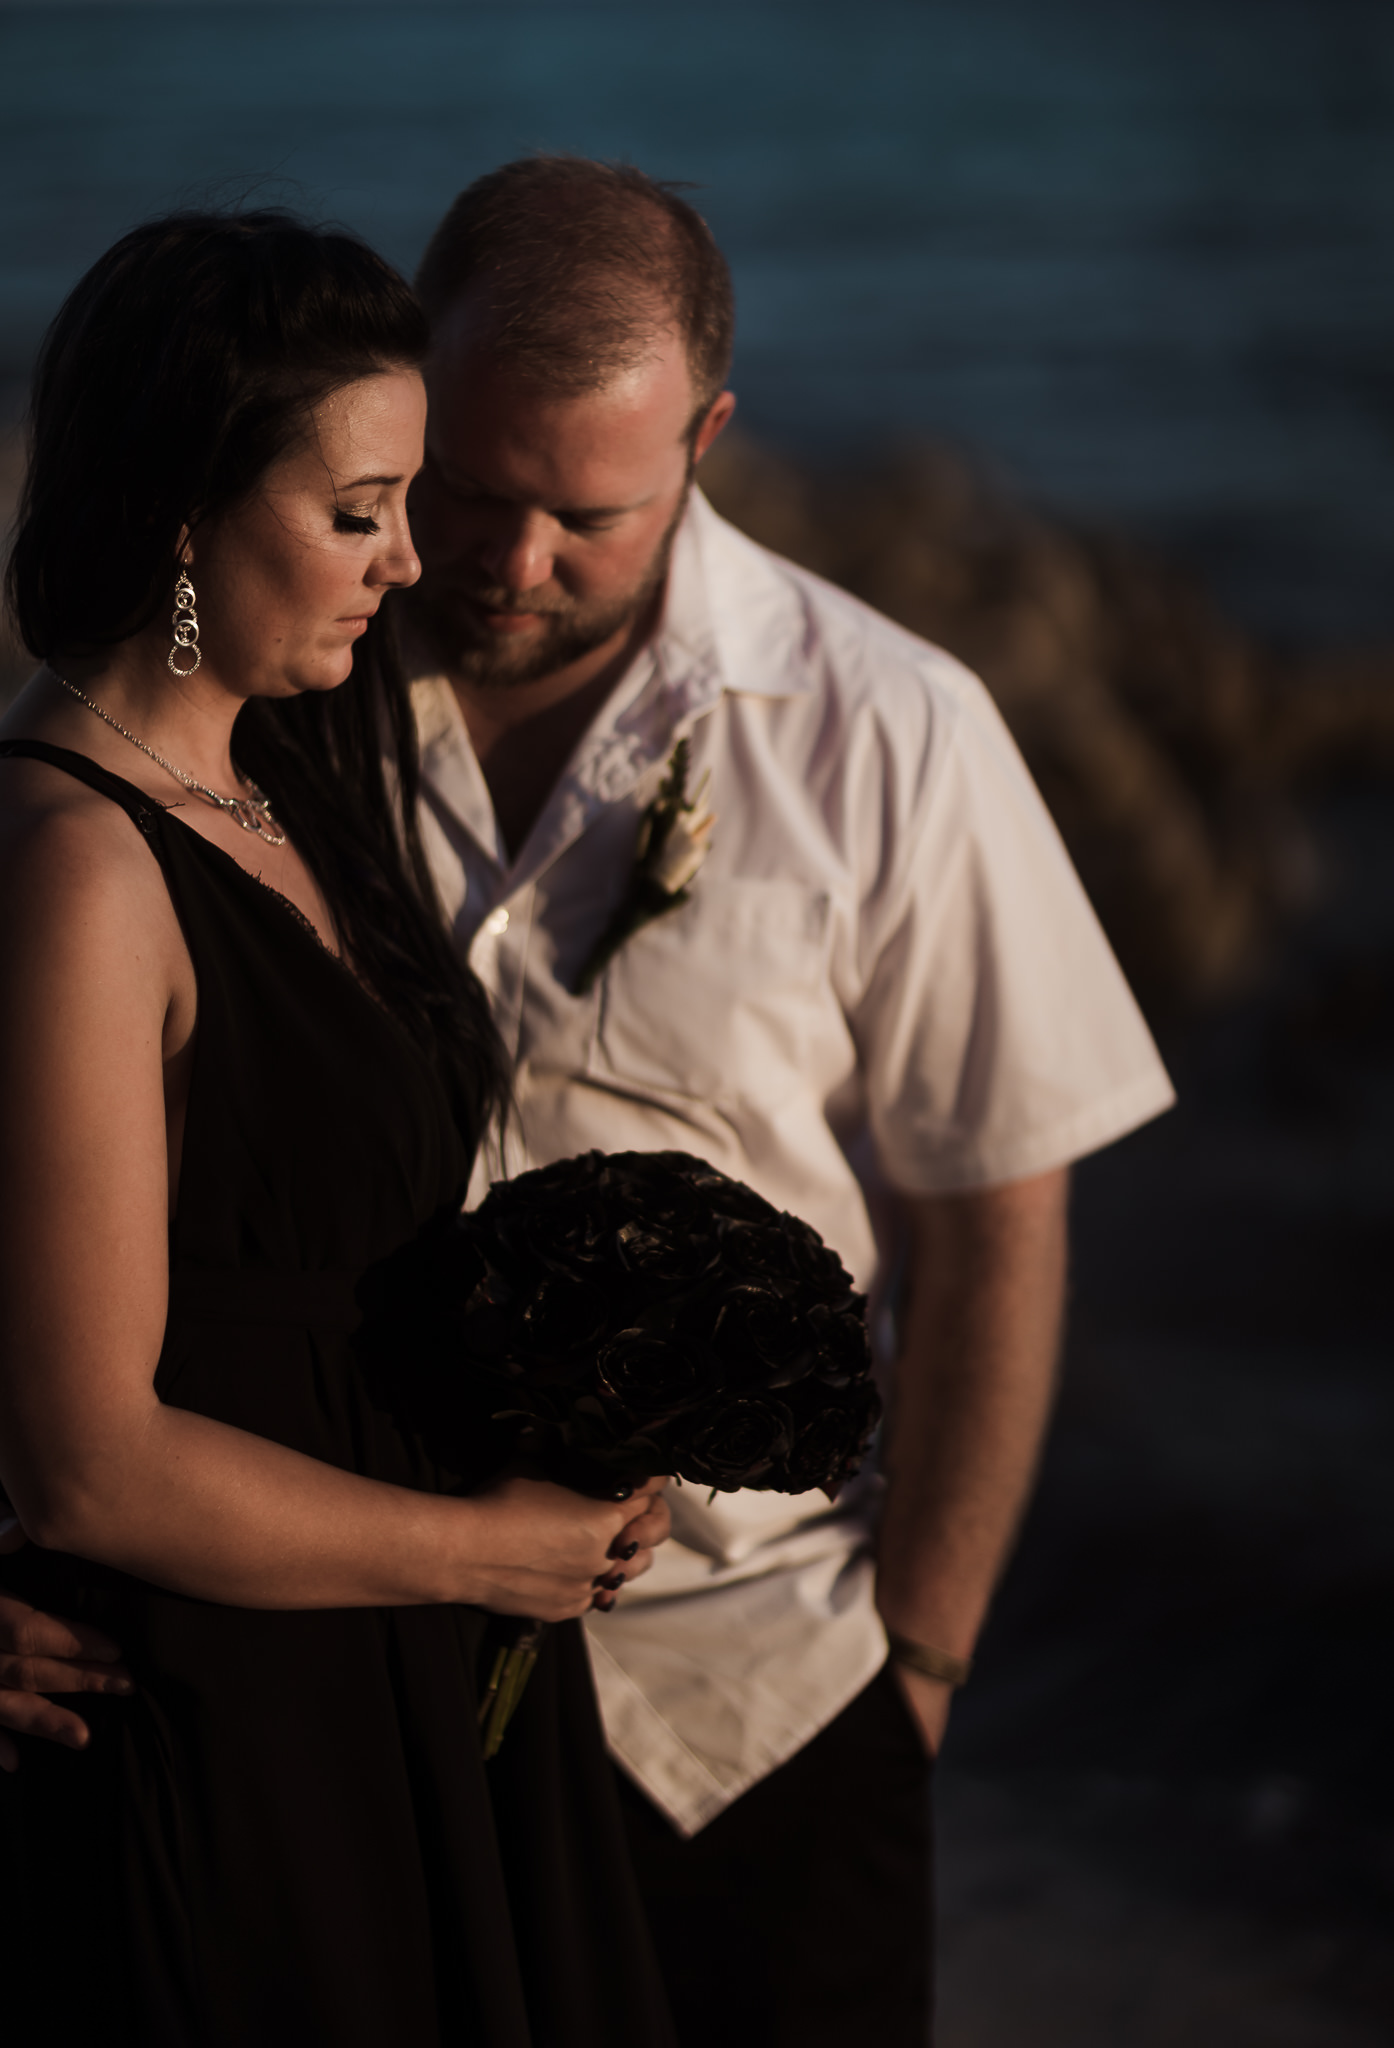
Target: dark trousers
point(802, 1915)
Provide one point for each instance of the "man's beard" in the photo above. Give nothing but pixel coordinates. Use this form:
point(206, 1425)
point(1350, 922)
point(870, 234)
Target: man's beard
point(570, 630)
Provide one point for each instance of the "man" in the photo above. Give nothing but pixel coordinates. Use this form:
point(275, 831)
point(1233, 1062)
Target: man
point(882, 997)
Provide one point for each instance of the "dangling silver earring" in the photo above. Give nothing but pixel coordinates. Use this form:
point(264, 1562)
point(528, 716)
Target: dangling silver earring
point(185, 627)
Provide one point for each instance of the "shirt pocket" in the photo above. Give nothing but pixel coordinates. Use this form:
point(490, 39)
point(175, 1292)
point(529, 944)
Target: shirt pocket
point(720, 998)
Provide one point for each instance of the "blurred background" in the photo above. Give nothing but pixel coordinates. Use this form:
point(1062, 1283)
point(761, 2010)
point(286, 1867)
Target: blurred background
point(1067, 338)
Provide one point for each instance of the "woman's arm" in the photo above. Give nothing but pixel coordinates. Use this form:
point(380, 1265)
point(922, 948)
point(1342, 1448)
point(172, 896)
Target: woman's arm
point(96, 1007)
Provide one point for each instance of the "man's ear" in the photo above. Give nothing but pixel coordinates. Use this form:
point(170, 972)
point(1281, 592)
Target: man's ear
point(721, 411)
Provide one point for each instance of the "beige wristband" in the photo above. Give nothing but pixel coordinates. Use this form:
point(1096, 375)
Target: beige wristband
point(928, 1661)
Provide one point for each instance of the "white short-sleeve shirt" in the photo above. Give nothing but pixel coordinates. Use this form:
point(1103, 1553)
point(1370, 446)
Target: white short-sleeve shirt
point(887, 976)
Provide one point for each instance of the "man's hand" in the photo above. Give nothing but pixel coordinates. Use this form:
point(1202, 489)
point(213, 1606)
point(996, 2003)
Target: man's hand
point(974, 1380)
point(929, 1700)
point(40, 1654)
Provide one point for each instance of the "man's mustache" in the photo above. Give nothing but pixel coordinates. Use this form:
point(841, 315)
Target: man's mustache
point(509, 602)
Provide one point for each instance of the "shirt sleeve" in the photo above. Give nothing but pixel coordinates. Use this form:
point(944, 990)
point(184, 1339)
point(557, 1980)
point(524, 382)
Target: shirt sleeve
point(996, 1033)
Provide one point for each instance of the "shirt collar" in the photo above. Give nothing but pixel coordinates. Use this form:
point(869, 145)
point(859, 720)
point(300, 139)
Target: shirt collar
point(731, 622)
point(733, 619)
point(450, 766)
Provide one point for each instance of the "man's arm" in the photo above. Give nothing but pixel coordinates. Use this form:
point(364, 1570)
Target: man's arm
point(975, 1377)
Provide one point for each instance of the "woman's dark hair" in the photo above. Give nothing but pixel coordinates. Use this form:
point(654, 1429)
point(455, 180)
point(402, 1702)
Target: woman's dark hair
point(182, 366)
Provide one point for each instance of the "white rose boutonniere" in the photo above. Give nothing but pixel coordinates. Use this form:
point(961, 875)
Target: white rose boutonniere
point(675, 835)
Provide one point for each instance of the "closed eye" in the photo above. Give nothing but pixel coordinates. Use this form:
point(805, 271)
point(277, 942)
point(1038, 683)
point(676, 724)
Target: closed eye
point(354, 522)
point(585, 522)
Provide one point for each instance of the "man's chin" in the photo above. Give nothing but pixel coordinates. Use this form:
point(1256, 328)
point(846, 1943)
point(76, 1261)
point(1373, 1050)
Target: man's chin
point(504, 660)
point(501, 662)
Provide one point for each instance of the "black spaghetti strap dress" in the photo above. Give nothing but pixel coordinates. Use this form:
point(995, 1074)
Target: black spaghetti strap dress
point(288, 1835)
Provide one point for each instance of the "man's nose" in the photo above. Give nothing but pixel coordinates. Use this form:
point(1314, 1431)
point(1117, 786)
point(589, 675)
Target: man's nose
point(518, 552)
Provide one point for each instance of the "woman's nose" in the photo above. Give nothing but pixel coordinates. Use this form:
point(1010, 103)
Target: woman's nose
point(399, 566)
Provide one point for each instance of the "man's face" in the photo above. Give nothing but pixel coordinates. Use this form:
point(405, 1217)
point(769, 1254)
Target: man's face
point(543, 521)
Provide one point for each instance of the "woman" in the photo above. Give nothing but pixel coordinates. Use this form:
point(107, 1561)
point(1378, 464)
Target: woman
point(241, 1064)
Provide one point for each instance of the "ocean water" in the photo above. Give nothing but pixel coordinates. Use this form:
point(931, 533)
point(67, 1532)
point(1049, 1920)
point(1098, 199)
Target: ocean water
point(1140, 257)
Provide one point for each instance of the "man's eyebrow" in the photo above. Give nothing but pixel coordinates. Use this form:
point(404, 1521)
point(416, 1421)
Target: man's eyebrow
point(462, 477)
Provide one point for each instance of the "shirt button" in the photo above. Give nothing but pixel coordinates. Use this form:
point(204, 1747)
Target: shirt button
point(496, 923)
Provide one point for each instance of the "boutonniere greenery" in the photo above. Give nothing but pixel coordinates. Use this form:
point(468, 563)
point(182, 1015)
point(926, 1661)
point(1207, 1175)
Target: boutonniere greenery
point(675, 835)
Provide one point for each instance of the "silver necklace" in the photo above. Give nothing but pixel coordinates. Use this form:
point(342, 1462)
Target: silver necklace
point(252, 813)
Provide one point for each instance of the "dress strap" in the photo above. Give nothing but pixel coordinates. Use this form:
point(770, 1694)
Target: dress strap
point(144, 811)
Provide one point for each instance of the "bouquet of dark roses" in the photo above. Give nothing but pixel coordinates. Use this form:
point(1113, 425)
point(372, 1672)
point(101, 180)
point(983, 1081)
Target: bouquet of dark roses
point(625, 1314)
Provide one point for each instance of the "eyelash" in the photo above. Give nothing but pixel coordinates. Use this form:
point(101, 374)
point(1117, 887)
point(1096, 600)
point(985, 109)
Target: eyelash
point(354, 522)
point(574, 523)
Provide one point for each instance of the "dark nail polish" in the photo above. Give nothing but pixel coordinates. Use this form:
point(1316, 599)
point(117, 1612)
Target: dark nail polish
point(625, 1492)
point(614, 1582)
point(604, 1601)
point(627, 1551)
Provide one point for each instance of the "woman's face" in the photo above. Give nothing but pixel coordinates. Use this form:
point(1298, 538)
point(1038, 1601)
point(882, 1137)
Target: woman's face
point(288, 581)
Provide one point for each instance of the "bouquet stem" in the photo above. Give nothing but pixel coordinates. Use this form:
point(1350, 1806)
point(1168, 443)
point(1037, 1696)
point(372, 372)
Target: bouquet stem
point(511, 1671)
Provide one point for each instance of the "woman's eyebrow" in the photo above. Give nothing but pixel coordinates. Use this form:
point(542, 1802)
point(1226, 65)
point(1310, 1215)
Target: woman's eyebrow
point(359, 482)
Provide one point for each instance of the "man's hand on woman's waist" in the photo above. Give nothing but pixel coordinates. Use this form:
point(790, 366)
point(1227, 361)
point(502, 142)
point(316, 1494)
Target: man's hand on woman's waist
point(42, 1654)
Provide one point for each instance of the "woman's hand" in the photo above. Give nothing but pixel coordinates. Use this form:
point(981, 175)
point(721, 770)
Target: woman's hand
point(632, 1551)
point(544, 1551)
point(39, 1654)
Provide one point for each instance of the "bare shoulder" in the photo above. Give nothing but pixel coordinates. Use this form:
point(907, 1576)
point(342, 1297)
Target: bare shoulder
point(79, 884)
point(56, 833)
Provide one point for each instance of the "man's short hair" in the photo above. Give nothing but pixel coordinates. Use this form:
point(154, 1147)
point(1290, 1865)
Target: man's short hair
point(583, 266)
